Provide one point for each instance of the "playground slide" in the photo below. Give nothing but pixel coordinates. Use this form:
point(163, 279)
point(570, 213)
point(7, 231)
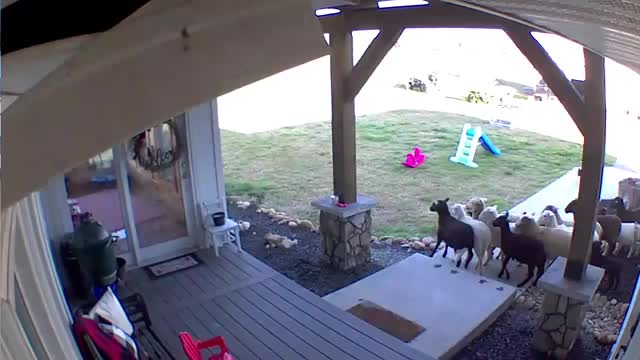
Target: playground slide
point(488, 145)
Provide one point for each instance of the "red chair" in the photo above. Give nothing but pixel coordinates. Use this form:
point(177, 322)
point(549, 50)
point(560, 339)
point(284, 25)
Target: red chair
point(192, 347)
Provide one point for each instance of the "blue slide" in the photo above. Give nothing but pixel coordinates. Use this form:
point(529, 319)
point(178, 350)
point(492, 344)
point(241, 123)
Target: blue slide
point(488, 145)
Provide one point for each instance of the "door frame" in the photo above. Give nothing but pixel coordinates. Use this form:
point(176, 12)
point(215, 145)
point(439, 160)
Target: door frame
point(141, 256)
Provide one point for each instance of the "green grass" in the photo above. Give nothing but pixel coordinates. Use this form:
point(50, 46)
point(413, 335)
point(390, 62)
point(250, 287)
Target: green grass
point(292, 166)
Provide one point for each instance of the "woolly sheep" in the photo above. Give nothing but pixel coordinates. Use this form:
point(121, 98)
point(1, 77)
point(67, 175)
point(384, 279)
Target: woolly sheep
point(475, 205)
point(522, 248)
point(482, 235)
point(454, 232)
point(630, 237)
point(556, 241)
point(548, 219)
point(610, 226)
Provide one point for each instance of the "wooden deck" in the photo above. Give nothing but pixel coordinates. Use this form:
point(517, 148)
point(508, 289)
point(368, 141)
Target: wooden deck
point(260, 313)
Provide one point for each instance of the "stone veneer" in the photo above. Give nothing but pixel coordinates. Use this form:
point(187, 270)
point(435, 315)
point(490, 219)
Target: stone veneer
point(559, 326)
point(563, 308)
point(345, 241)
point(345, 232)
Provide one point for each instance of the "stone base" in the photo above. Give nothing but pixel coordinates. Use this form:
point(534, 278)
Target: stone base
point(563, 309)
point(345, 232)
point(560, 325)
point(345, 241)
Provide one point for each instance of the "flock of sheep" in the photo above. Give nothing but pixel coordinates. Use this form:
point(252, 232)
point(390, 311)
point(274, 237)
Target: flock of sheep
point(532, 241)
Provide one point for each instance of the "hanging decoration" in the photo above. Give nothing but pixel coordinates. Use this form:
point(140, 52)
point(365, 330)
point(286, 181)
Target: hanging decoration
point(153, 158)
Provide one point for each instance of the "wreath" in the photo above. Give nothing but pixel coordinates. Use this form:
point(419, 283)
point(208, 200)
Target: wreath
point(152, 159)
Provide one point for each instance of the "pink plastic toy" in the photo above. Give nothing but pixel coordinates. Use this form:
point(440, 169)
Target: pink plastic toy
point(416, 159)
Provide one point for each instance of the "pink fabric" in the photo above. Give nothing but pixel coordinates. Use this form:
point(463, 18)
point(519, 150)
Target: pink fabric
point(416, 159)
point(105, 207)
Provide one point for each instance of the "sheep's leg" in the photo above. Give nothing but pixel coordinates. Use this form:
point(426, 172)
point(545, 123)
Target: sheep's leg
point(539, 274)
point(505, 260)
point(489, 255)
point(438, 242)
point(469, 257)
point(529, 276)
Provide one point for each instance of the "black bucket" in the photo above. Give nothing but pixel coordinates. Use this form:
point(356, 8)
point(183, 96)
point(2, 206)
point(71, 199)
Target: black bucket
point(218, 218)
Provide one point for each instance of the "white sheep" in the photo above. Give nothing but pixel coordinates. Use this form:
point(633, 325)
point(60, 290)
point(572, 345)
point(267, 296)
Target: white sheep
point(630, 237)
point(487, 216)
point(556, 241)
point(482, 236)
point(475, 205)
point(549, 219)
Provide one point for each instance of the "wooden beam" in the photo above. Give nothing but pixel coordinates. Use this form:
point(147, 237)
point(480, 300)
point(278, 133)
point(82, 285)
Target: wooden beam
point(593, 155)
point(551, 73)
point(368, 63)
point(440, 16)
point(343, 119)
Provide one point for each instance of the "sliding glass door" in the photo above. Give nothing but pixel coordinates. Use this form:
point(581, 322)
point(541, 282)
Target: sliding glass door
point(141, 192)
point(160, 189)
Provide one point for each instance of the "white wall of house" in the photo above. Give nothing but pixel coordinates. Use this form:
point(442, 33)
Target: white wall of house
point(35, 318)
point(205, 153)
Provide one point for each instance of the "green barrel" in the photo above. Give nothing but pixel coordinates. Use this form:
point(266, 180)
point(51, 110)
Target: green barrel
point(94, 248)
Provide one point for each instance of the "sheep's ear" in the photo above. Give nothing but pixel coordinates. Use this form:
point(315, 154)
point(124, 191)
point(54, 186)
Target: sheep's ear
point(506, 214)
point(445, 200)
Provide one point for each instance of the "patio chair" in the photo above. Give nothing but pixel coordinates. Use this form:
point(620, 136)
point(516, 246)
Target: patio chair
point(218, 236)
point(149, 344)
point(192, 347)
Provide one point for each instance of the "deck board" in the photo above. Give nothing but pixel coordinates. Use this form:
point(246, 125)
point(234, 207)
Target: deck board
point(261, 314)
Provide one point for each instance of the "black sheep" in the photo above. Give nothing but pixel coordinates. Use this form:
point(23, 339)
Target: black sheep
point(626, 216)
point(452, 231)
point(523, 248)
point(611, 225)
point(612, 267)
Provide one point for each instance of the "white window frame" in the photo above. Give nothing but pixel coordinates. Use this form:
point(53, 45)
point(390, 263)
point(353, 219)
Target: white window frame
point(26, 257)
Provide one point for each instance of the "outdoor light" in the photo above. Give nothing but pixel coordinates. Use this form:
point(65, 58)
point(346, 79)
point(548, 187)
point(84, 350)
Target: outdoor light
point(398, 3)
point(327, 11)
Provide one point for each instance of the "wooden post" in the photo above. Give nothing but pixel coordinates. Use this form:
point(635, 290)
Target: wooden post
point(593, 155)
point(372, 57)
point(562, 88)
point(343, 118)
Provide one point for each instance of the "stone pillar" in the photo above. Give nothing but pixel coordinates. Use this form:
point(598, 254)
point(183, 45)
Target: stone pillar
point(345, 232)
point(563, 309)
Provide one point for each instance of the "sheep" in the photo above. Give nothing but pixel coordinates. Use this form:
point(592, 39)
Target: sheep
point(474, 206)
point(481, 234)
point(487, 216)
point(522, 248)
point(555, 212)
point(556, 241)
point(626, 216)
point(630, 237)
point(612, 268)
point(548, 219)
point(454, 232)
point(610, 225)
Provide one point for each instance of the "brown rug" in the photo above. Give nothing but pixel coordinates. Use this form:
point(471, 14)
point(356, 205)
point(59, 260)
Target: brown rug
point(387, 321)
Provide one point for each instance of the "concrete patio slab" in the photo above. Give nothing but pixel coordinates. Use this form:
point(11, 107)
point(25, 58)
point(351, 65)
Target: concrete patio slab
point(453, 305)
point(517, 271)
point(565, 189)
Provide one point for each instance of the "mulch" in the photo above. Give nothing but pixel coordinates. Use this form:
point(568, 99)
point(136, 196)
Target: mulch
point(508, 338)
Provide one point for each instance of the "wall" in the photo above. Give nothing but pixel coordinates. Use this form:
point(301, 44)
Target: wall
point(206, 158)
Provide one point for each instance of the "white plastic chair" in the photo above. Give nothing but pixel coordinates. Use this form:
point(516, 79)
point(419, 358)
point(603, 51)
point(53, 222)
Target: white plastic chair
point(218, 236)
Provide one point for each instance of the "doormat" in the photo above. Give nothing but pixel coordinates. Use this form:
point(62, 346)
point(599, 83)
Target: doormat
point(170, 266)
point(387, 321)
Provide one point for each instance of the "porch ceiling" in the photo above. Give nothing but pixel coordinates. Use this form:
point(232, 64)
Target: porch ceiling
point(610, 28)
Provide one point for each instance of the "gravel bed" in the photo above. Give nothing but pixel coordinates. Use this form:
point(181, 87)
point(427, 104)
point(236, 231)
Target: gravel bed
point(508, 338)
point(301, 263)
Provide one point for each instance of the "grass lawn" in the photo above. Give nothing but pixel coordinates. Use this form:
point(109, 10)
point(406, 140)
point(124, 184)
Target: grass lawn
point(290, 167)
